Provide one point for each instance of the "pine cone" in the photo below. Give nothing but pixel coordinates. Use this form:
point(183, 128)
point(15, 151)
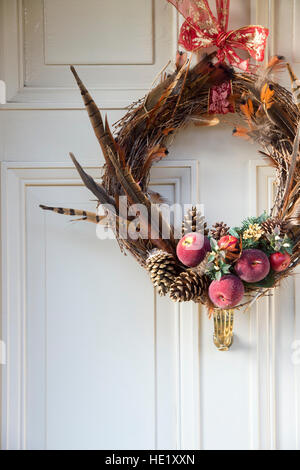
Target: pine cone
point(201, 269)
point(194, 221)
point(189, 286)
point(205, 282)
point(219, 230)
point(163, 270)
point(270, 224)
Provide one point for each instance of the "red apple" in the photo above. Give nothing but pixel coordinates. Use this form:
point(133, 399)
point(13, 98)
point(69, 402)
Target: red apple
point(253, 266)
point(207, 245)
point(228, 243)
point(192, 248)
point(228, 292)
point(280, 261)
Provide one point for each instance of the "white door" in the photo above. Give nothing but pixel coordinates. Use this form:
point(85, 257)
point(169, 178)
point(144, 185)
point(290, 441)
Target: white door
point(91, 357)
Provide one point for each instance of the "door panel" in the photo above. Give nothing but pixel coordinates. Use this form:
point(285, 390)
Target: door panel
point(92, 362)
point(96, 335)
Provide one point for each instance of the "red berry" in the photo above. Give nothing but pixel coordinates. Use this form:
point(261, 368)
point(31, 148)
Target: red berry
point(280, 261)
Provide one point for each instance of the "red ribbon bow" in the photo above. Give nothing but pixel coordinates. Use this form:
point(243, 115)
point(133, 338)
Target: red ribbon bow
point(201, 29)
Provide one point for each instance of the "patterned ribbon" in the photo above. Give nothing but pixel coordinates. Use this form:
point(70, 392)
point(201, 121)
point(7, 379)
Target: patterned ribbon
point(202, 29)
point(219, 99)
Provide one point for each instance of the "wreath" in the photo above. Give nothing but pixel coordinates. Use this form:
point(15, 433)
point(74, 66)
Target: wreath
point(223, 268)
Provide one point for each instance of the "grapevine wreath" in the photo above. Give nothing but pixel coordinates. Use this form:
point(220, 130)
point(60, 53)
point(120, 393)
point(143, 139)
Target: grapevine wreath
point(223, 268)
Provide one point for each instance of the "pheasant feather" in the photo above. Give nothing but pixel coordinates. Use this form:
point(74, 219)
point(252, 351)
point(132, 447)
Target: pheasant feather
point(85, 215)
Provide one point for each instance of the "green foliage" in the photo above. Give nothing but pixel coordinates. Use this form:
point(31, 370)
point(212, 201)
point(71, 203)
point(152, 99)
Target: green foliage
point(265, 246)
point(217, 266)
point(269, 244)
point(287, 249)
point(254, 220)
point(266, 283)
point(214, 244)
point(235, 232)
point(238, 231)
point(280, 244)
point(251, 244)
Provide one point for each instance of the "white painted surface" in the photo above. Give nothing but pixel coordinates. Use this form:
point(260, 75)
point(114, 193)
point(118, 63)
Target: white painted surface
point(286, 17)
point(131, 49)
point(127, 370)
point(99, 24)
point(92, 326)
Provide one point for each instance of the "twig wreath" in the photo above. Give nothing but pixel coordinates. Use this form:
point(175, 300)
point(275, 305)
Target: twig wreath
point(215, 267)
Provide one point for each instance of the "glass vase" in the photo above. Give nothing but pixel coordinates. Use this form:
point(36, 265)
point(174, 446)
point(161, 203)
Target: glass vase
point(223, 329)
